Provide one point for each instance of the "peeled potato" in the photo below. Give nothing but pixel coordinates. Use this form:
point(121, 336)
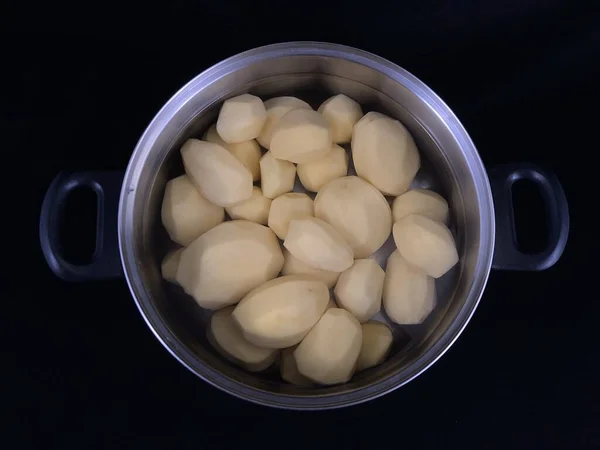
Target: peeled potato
point(358, 211)
point(169, 265)
point(302, 136)
point(276, 108)
point(318, 244)
point(329, 352)
point(420, 201)
point(359, 289)
point(331, 304)
point(229, 341)
point(185, 213)
point(255, 209)
point(408, 293)
point(376, 343)
point(315, 175)
point(219, 175)
point(241, 118)
point(279, 313)
point(286, 208)
point(248, 152)
point(342, 113)
point(426, 244)
point(384, 154)
point(293, 266)
point(289, 369)
point(277, 176)
point(225, 263)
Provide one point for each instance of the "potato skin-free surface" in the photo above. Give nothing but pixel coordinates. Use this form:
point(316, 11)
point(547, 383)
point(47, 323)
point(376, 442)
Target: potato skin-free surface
point(342, 113)
point(279, 313)
point(376, 344)
point(219, 175)
point(358, 211)
point(229, 341)
point(409, 294)
point(276, 176)
point(384, 154)
point(169, 265)
point(329, 352)
point(359, 289)
point(248, 152)
point(315, 175)
point(294, 266)
point(228, 261)
point(423, 202)
point(426, 244)
point(185, 213)
point(289, 369)
point(318, 244)
point(302, 136)
point(276, 108)
point(256, 208)
point(241, 118)
point(287, 207)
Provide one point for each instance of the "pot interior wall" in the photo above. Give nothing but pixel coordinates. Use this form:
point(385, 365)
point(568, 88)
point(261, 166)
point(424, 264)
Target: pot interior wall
point(313, 79)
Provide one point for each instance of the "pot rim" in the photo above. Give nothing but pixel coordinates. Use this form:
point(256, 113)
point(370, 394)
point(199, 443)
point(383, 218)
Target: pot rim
point(330, 401)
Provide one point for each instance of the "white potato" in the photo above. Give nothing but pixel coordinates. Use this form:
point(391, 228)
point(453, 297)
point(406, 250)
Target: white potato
point(286, 208)
point(248, 152)
point(409, 294)
point(229, 341)
point(219, 175)
point(241, 118)
point(302, 136)
point(276, 108)
point(315, 175)
point(318, 244)
point(276, 176)
point(420, 201)
point(185, 213)
point(384, 154)
point(169, 265)
point(359, 289)
point(280, 312)
point(376, 344)
point(228, 261)
point(289, 369)
point(329, 352)
point(255, 209)
point(342, 113)
point(293, 266)
point(358, 211)
point(426, 244)
point(331, 304)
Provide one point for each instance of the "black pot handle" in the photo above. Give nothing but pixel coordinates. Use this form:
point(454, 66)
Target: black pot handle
point(506, 254)
point(106, 262)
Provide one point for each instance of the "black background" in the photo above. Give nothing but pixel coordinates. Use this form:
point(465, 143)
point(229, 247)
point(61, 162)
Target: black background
point(82, 81)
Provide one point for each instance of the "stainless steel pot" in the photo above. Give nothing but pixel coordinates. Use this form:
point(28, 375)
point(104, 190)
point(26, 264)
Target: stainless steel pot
point(312, 71)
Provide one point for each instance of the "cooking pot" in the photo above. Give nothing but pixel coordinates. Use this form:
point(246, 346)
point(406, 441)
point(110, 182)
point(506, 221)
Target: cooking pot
point(131, 240)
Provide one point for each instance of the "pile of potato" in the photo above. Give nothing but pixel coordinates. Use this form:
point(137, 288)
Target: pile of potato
point(319, 247)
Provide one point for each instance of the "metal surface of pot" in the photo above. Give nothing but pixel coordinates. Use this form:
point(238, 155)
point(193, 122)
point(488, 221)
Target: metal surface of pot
point(312, 71)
